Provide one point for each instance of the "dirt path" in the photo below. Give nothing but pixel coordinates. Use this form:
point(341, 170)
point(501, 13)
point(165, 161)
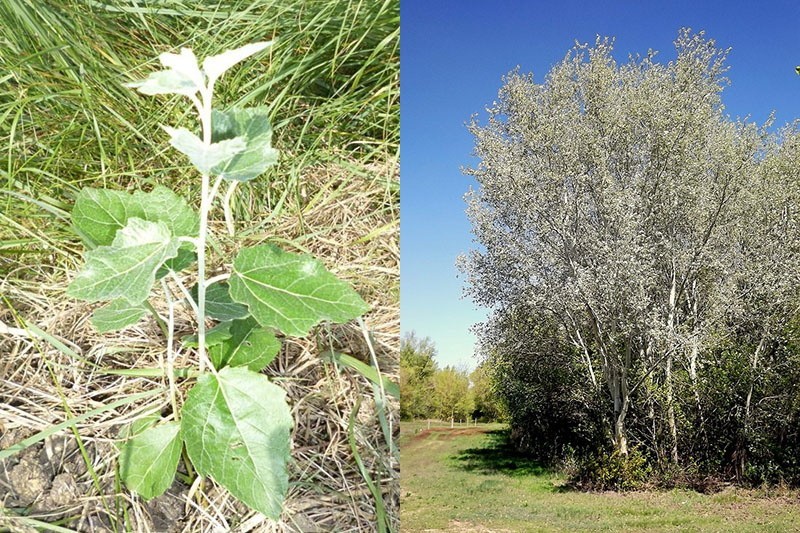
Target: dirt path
point(447, 433)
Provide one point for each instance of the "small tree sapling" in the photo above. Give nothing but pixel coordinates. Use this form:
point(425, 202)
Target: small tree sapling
point(235, 423)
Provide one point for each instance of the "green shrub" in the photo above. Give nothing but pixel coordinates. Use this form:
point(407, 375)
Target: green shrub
point(613, 471)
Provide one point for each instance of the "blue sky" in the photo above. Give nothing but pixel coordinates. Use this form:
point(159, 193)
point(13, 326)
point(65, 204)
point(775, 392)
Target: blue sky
point(453, 55)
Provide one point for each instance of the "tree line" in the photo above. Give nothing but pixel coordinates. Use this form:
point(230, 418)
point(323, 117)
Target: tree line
point(448, 393)
point(641, 257)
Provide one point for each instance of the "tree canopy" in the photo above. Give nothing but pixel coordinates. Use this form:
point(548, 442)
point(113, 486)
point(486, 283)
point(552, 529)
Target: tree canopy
point(633, 236)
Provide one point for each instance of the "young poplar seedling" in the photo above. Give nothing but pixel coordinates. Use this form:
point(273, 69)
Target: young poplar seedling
point(235, 423)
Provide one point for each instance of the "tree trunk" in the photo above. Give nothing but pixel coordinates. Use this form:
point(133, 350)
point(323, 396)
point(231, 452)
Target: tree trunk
point(578, 341)
point(673, 428)
point(742, 452)
point(695, 389)
point(754, 367)
point(693, 357)
point(621, 395)
point(620, 435)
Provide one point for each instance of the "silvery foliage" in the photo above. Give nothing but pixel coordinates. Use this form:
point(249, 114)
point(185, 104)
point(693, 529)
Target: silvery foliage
point(765, 273)
point(600, 186)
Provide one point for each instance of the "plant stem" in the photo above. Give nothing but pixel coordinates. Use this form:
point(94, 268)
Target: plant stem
point(186, 293)
point(226, 206)
point(205, 205)
point(215, 279)
point(201, 275)
point(170, 352)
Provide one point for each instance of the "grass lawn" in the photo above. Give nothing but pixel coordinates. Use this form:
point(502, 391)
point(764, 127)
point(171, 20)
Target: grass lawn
point(467, 479)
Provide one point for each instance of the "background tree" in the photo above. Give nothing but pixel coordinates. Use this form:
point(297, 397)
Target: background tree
point(417, 367)
point(488, 403)
point(451, 394)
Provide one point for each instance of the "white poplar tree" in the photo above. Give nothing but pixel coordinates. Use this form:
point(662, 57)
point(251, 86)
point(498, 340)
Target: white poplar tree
point(610, 197)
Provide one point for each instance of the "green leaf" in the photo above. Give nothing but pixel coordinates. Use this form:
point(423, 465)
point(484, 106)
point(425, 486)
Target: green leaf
point(117, 315)
point(136, 427)
point(249, 345)
point(149, 460)
point(236, 427)
point(216, 335)
point(252, 125)
point(219, 305)
point(215, 66)
point(203, 157)
point(127, 268)
point(99, 213)
point(185, 258)
point(291, 292)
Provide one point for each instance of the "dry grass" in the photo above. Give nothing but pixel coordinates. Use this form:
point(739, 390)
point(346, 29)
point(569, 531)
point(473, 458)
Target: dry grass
point(347, 216)
point(66, 121)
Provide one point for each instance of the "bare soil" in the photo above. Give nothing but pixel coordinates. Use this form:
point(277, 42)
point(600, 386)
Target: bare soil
point(52, 478)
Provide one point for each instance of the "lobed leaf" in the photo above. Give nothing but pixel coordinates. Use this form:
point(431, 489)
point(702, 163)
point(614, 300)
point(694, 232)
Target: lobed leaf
point(249, 345)
point(203, 157)
point(291, 292)
point(251, 124)
point(138, 232)
point(99, 213)
point(127, 268)
point(236, 427)
point(117, 315)
point(184, 64)
point(148, 461)
point(185, 258)
point(165, 82)
point(183, 76)
point(137, 426)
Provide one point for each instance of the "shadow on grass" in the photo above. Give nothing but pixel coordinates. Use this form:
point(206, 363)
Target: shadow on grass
point(498, 456)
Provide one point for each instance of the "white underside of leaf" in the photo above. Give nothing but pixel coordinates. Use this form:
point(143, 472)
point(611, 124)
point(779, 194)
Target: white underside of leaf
point(203, 157)
point(215, 66)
